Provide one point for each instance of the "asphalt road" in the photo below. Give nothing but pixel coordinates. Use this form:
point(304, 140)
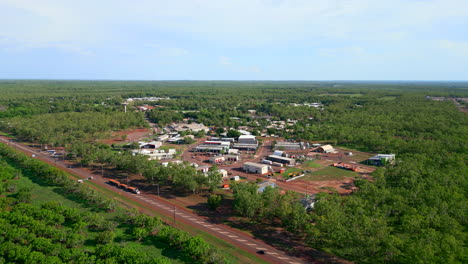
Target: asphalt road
point(181, 215)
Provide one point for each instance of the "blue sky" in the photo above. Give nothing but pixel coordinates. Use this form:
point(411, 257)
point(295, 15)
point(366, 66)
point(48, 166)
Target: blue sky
point(234, 39)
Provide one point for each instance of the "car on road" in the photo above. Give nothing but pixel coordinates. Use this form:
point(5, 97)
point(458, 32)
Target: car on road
point(261, 252)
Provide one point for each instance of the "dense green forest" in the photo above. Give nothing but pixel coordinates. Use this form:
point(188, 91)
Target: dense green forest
point(411, 212)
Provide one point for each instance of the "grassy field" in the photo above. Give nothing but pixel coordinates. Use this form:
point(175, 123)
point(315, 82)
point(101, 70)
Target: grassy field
point(311, 165)
point(329, 173)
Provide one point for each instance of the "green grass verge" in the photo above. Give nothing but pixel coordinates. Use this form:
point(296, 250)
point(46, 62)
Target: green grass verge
point(329, 173)
point(311, 165)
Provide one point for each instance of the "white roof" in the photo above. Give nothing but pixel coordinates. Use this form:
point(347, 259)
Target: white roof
point(278, 153)
point(244, 132)
point(233, 151)
point(257, 165)
point(327, 147)
point(246, 137)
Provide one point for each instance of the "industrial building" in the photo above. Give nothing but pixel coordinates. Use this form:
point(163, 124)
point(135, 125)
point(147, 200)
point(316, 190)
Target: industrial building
point(381, 159)
point(213, 147)
point(255, 168)
point(245, 146)
point(247, 139)
point(221, 159)
point(282, 160)
point(155, 154)
point(283, 145)
point(326, 149)
point(209, 148)
point(150, 145)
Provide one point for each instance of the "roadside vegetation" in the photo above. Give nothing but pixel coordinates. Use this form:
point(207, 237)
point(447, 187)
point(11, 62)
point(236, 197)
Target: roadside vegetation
point(93, 230)
point(413, 211)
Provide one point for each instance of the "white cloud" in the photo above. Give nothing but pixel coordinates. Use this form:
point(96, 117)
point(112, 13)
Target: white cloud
point(342, 51)
point(458, 48)
point(223, 60)
point(227, 63)
point(79, 26)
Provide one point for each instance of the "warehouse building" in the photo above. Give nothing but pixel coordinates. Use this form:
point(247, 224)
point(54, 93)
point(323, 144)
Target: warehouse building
point(255, 168)
point(326, 149)
point(247, 139)
point(282, 160)
point(210, 148)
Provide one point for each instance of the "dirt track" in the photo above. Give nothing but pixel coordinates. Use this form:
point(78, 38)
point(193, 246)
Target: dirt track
point(184, 216)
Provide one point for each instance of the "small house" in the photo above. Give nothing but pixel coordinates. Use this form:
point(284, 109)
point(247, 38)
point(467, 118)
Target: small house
point(235, 178)
point(223, 172)
point(217, 159)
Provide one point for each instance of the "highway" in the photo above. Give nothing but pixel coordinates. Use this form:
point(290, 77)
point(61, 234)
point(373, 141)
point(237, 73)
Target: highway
point(182, 215)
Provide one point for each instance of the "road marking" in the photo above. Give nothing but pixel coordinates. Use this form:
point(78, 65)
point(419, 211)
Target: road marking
point(273, 253)
point(215, 228)
point(232, 236)
point(241, 240)
point(295, 262)
point(250, 244)
point(261, 249)
point(283, 258)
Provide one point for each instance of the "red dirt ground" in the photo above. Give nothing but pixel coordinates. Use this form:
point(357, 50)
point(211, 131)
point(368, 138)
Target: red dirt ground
point(132, 135)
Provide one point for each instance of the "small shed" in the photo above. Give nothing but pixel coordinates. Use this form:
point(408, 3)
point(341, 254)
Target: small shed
point(262, 185)
point(223, 172)
point(235, 178)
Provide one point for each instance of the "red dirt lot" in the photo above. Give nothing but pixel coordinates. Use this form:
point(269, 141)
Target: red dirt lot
point(132, 135)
